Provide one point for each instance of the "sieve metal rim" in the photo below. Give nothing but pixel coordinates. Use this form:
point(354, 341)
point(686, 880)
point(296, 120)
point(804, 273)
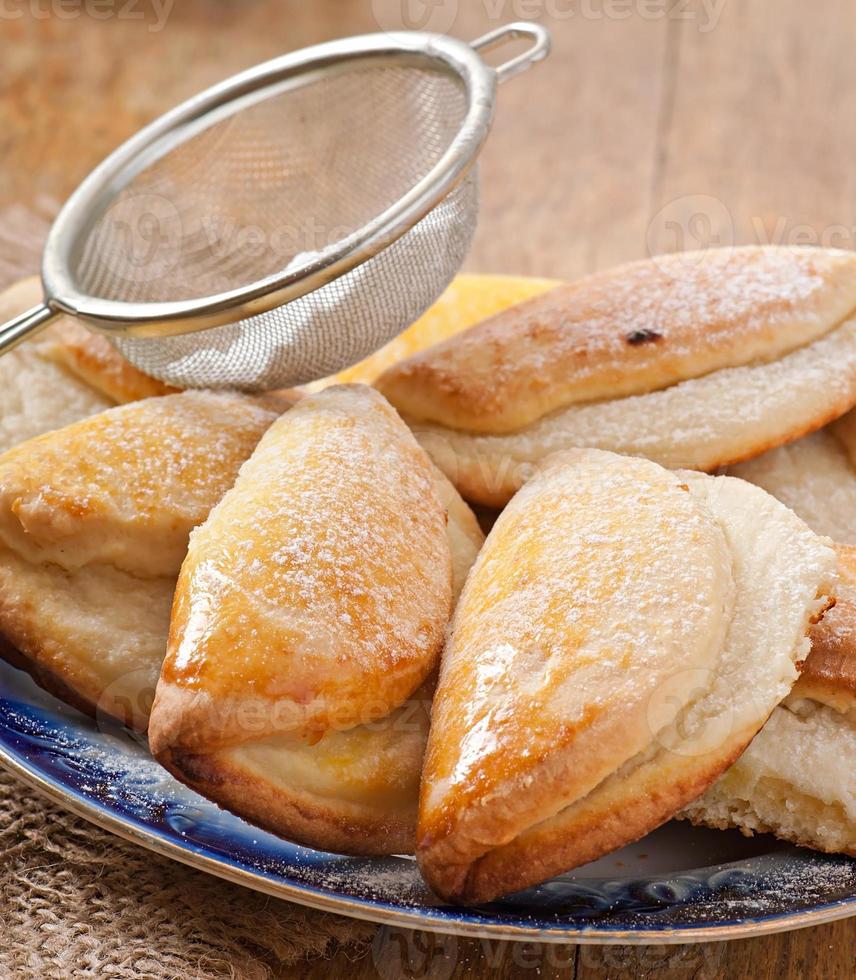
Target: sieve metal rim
point(161, 319)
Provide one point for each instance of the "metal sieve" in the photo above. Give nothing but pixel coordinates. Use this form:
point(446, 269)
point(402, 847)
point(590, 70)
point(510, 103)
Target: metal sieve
point(288, 221)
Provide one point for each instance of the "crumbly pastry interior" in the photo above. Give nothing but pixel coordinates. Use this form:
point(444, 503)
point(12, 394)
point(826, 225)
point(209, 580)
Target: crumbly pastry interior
point(794, 779)
point(791, 781)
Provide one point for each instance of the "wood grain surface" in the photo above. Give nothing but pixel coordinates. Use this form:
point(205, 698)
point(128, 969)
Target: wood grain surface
point(655, 125)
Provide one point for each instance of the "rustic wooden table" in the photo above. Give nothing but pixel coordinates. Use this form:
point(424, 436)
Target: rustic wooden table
point(655, 125)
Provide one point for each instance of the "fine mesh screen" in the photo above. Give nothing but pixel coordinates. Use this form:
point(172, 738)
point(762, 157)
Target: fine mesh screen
point(331, 327)
point(276, 185)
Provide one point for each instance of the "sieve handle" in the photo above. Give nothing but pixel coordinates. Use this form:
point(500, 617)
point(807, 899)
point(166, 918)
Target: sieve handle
point(539, 48)
point(13, 332)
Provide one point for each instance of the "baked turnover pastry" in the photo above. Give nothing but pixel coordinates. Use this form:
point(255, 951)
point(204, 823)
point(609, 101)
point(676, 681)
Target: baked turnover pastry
point(353, 791)
point(94, 522)
point(66, 373)
point(312, 604)
point(797, 779)
point(623, 635)
point(693, 360)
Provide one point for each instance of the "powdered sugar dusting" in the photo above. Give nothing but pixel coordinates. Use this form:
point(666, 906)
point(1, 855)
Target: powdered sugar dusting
point(626, 331)
point(103, 489)
point(700, 424)
point(567, 614)
point(329, 559)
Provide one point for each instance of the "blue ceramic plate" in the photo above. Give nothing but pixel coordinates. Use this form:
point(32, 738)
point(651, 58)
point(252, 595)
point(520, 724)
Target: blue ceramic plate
point(679, 884)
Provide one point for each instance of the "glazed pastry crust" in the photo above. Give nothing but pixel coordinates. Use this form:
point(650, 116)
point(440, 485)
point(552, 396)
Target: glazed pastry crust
point(529, 772)
point(106, 487)
point(698, 360)
point(704, 423)
point(94, 523)
point(521, 650)
point(329, 559)
point(354, 791)
point(627, 331)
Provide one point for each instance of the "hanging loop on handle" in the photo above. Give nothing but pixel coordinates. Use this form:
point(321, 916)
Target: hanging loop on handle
point(511, 32)
point(13, 332)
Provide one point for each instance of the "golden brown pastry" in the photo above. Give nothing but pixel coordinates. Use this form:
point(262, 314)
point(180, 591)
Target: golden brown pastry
point(312, 604)
point(693, 360)
point(623, 635)
point(94, 523)
point(353, 791)
point(63, 374)
point(320, 586)
point(92, 358)
point(350, 792)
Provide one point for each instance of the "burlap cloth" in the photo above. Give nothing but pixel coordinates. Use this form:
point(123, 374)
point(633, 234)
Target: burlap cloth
point(77, 902)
